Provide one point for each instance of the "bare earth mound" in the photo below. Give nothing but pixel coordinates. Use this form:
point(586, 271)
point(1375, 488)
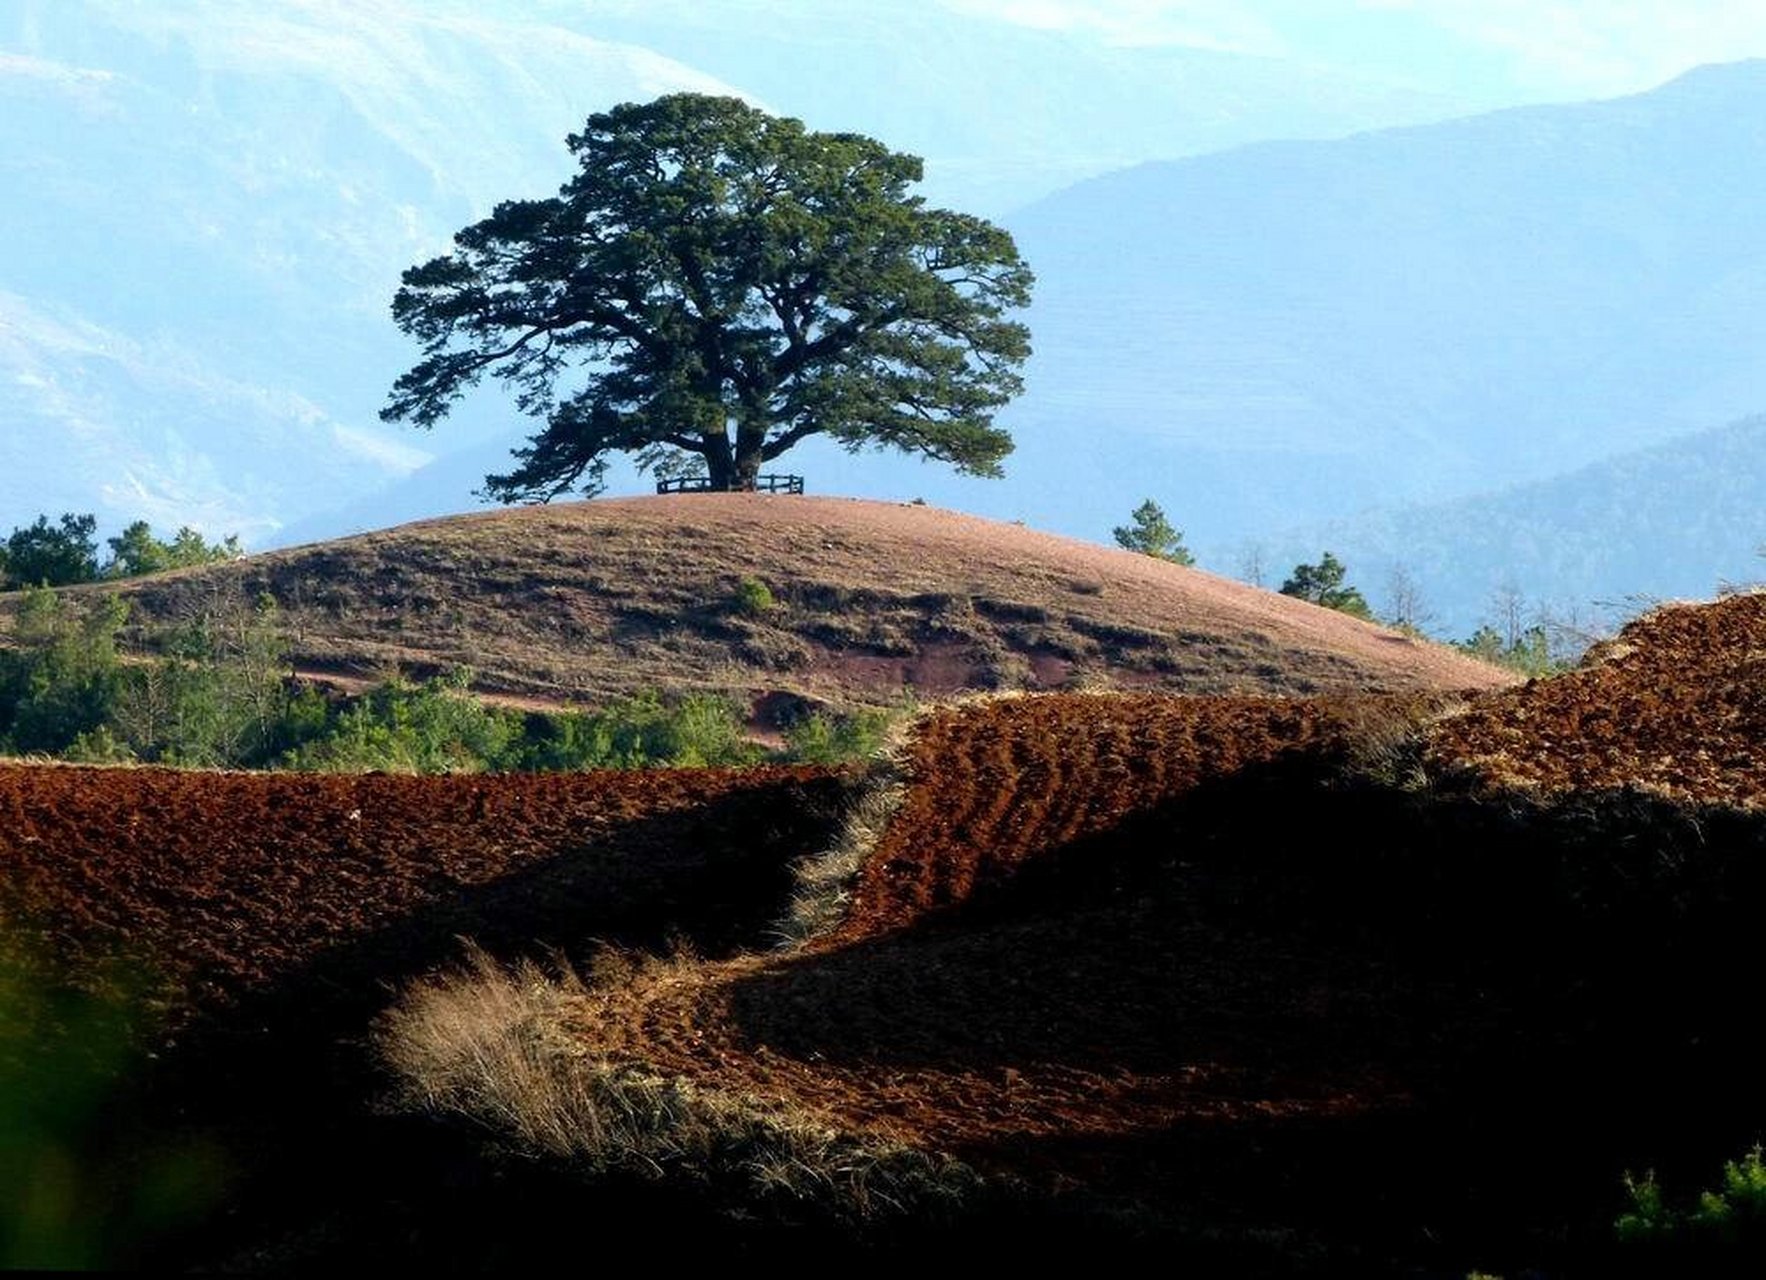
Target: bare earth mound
point(1675, 705)
point(585, 600)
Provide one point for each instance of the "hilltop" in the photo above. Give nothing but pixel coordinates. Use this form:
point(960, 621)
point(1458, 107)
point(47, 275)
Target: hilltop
point(868, 601)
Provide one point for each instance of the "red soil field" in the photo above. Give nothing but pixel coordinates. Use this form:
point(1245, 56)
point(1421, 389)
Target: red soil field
point(1026, 960)
point(1000, 784)
point(227, 883)
point(1179, 951)
point(1676, 705)
point(1195, 953)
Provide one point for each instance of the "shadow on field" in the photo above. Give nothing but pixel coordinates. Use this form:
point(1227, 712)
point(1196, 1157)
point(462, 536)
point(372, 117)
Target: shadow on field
point(1552, 993)
point(282, 1081)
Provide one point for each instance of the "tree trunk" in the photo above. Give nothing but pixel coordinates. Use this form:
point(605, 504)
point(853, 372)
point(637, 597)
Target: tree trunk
point(720, 461)
point(750, 442)
point(747, 470)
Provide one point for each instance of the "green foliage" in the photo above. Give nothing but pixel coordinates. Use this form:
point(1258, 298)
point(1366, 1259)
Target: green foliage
point(57, 555)
point(1727, 1220)
point(398, 727)
point(1151, 534)
point(1323, 584)
point(218, 694)
point(729, 283)
point(645, 731)
point(79, 1192)
point(754, 598)
point(439, 727)
point(136, 551)
point(62, 554)
point(61, 677)
point(99, 746)
point(1528, 653)
point(820, 738)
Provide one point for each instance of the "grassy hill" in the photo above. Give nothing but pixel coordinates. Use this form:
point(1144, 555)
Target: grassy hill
point(845, 601)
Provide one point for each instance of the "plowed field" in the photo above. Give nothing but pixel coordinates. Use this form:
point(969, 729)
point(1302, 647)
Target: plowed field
point(1676, 705)
point(227, 883)
point(1227, 970)
point(1192, 953)
point(1002, 784)
point(1030, 956)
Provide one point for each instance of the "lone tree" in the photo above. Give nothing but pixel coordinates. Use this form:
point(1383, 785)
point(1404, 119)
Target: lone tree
point(1322, 583)
point(715, 285)
point(1151, 534)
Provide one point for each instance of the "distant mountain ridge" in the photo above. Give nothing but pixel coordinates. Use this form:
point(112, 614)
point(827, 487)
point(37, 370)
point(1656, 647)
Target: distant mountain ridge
point(1293, 331)
point(205, 208)
point(1675, 521)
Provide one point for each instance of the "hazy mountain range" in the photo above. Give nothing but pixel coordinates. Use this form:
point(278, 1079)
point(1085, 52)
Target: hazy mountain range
point(204, 208)
point(1674, 521)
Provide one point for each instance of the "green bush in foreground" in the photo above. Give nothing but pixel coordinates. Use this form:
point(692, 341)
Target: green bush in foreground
point(1729, 1218)
point(78, 1191)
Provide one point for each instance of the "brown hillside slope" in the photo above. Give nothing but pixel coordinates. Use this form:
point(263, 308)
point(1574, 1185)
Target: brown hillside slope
point(586, 600)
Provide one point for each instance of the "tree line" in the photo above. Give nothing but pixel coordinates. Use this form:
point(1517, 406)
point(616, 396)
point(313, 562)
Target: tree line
point(1536, 644)
point(218, 691)
point(65, 552)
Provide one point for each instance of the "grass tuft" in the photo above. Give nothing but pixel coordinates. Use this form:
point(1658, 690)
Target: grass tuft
point(491, 1044)
point(823, 882)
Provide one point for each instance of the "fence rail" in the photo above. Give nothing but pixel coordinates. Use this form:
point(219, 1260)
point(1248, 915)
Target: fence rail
point(762, 484)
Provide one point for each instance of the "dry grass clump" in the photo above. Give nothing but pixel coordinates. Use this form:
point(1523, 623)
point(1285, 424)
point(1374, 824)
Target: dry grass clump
point(1383, 738)
point(824, 882)
point(491, 1044)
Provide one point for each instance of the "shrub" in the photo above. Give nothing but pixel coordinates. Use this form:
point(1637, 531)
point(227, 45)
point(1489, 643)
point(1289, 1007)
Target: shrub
point(754, 598)
point(823, 739)
point(643, 731)
point(1729, 1218)
point(433, 727)
point(1322, 584)
point(60, 680)
point(1151, 534)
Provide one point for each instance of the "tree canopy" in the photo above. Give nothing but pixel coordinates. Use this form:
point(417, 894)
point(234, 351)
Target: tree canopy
point(53, 554)
point(137, 551)
point(1322, 583)
point(66, 553)
point(1151, 534)
point(714, 286)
